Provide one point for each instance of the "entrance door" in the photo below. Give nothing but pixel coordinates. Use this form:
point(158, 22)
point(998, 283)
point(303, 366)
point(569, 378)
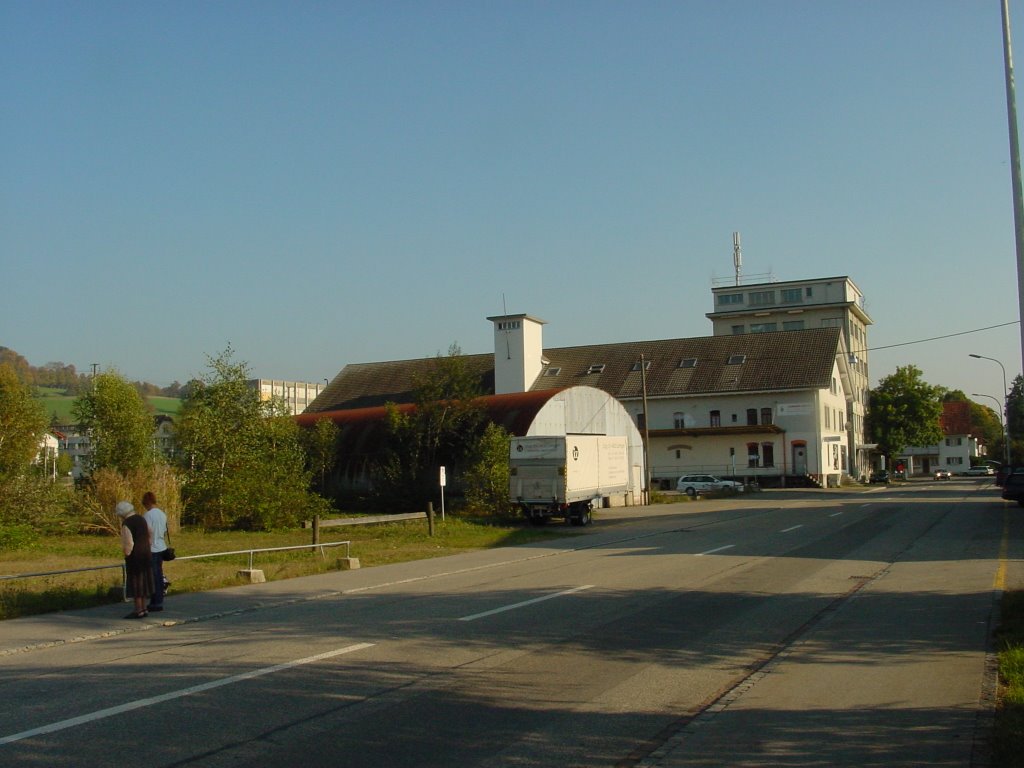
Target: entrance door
point(800, 459)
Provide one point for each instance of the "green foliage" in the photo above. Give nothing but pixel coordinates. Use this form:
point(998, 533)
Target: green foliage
point(904, 411)
point(442, 430)
point(1008, 733)
point(1015, 419)
point(243, 464)
point(485, 483)
point(32, 506)
point(22, 424)
point(321, 447)
point(119, 425)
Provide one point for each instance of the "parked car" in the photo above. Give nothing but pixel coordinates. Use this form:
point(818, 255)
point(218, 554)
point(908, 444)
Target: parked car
point(943, 474)
point(691, 485)
point(1013, 487)
point(980, 471)
point(879, 476)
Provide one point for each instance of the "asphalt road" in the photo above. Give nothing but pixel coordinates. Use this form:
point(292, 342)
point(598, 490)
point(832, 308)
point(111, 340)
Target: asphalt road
point(781, 628)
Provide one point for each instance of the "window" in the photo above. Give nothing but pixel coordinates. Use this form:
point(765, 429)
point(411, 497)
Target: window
point(792, 295)
point(596, 368)
point(552, 371)
point(716, 418)
point(828, 418)
point(753, 455)
point(751, 417)
point(738, 330)
point(761, 298)
point(768, 454)
point(730, 298)
point(810, 291)
point(688, 362)
point(508, 326)
point(766, 416)
point(679, 419)
point(640, 421)
point(763, 327)
point(736, 359)
point(793, 325)
point(636, 365)
point(832, 322)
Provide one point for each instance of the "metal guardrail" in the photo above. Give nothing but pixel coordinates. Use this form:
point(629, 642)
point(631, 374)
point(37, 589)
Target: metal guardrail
point(250, 552)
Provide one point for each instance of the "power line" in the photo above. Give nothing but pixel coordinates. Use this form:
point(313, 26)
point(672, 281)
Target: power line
point(937, 338)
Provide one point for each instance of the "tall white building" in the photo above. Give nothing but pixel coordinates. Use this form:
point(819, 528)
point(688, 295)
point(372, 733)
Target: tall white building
point(795, 305)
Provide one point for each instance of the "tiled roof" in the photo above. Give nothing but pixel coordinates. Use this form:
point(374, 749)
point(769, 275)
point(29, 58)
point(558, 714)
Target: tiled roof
point(956, 418)
point(784, 360)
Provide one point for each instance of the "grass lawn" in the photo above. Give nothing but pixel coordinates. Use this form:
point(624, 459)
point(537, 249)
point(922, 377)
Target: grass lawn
point(59, 406)
point(1008, 736)
point(372, 544)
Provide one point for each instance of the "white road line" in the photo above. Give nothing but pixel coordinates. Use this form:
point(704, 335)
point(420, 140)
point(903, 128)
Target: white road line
point(791, 528)
point(717, 549)
point(512, 607)
point(140, 703)
point(835, 514)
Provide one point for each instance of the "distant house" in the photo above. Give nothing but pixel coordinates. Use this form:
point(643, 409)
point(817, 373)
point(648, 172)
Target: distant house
point(954, 451)
point(297, 395)
point(769, 407)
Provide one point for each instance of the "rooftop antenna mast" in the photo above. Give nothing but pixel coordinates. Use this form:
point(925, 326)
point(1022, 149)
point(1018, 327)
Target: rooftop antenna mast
point(508, 344)
point(737, 256)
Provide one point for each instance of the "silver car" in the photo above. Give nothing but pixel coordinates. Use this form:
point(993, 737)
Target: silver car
point(691, 485)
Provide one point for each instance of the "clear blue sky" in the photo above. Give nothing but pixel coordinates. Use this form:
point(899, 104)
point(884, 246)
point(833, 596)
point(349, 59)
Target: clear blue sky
point(322, 183)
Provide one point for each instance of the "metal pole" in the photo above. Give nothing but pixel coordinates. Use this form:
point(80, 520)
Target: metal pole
point(1003, 425)
point(1006, 415)
point(647, 434)
point(1018, 203)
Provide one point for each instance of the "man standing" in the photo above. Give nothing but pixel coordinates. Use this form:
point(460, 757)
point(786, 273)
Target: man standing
point(157, 522)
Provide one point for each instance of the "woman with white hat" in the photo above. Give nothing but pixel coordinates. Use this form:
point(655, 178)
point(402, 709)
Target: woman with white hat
point(137, 557)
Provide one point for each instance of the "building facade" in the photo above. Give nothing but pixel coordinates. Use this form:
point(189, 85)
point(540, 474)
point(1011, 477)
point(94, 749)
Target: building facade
point(796, 305)
point(297, 395)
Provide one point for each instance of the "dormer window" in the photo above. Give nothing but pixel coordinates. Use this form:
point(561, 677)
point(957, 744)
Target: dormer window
point(737, 359)
point(688, 362)
point(596, 368)
point(636, 365)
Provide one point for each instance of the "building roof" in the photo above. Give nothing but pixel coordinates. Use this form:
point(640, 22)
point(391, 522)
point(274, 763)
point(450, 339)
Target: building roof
point(956, 418)
point(703, 365)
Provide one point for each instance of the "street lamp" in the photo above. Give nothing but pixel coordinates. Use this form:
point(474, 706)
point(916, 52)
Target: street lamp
point(1006, 416)
point(1002, 425)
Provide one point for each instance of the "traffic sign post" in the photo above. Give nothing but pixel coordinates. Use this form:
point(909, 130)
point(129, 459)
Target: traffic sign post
point(443, 482)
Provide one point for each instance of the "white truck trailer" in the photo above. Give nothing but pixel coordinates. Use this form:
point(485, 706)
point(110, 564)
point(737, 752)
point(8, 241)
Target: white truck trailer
point(566, 476)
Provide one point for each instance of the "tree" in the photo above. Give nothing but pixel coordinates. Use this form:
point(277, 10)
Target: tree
point(486, 479)
point(321, 446)
point(904, 410)
point(1015, 419)
point(441, 431)
point(23, 423)
point(241, 455)
point(119, 424)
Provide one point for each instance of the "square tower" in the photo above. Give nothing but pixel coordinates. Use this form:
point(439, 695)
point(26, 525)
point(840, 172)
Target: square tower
point(518, 352)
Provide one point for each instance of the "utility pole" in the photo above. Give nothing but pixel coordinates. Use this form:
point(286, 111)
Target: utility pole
point(1018, 204)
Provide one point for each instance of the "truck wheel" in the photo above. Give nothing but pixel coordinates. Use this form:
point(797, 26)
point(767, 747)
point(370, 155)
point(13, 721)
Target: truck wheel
point(584, 517)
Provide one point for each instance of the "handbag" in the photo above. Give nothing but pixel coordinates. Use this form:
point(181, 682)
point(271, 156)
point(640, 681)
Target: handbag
point(168, 553)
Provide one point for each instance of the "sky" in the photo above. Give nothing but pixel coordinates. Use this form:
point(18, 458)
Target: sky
point(322, 183)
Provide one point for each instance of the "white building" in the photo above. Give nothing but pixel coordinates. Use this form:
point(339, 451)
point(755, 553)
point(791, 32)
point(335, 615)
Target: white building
point(297, 395)
point(770, 407)
point(796, 305)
